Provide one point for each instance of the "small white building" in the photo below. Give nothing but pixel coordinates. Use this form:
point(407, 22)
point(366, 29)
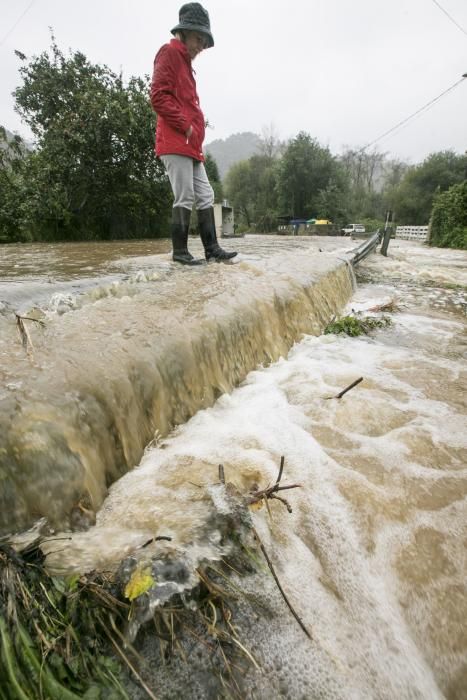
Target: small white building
point(224, 219)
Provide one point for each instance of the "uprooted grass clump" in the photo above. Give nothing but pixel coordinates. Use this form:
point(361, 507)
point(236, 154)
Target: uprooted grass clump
point(64, 639)
point(69, 638)
point(52, 641)
point(357, 325)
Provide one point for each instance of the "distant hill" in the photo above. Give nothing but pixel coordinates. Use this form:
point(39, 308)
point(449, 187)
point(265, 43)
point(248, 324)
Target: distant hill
point(228, 151)
point(9, 137)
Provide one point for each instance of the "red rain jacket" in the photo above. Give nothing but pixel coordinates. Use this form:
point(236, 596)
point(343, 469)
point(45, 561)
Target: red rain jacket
point(174, 98)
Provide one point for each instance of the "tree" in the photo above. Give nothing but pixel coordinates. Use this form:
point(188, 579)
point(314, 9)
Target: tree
point(212, 172)
point(13, 155)
point(251, 188)
point(237, 183)
point(449, 218)
point(270, 145)
point(413, 198)
point(306, 171)
point(369, 175)
point(94, 173)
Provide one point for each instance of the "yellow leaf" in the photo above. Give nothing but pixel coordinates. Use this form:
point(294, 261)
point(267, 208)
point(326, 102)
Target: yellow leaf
point(140, 582)
point(257, 505)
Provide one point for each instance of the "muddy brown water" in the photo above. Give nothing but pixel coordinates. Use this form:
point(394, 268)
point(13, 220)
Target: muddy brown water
point(374, 554)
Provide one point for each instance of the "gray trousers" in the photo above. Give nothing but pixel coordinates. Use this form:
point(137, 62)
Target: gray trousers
point(189, 182)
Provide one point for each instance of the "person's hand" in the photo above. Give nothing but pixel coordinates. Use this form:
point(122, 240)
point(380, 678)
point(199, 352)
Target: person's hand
point(188, 133)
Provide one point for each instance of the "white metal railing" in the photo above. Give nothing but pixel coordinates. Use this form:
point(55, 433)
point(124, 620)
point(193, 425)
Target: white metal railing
point(412, 233)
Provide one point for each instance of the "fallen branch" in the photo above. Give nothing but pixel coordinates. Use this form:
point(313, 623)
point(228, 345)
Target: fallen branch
point(269, 493)
point(347, 388)
point(24, 333)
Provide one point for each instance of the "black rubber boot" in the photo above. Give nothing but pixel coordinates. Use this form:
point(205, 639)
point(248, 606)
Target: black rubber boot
point(180, 226)
point(207, 231)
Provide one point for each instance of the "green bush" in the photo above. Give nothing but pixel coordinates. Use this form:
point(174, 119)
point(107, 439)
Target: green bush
point(449, 218)
point(372, 225)
point(93, 173)
point(355, 326)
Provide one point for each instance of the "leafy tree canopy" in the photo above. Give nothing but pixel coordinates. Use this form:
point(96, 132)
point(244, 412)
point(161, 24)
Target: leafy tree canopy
point(212, 172)
point(93, 173)
point(449, 218)
point(413, 198)
point(307, 171)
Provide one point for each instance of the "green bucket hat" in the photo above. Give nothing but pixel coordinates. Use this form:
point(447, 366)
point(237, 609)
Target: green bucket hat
point(193, 17)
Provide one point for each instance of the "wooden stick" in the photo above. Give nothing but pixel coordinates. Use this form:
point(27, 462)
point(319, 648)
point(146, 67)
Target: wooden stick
point(271, 568)
point(282, 500)
point(24, 335)
point(348, 388)
point(29, 318)
point(281, 469)
point(221, 474)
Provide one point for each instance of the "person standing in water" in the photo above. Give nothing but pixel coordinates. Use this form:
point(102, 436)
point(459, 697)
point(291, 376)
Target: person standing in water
point(180, 133)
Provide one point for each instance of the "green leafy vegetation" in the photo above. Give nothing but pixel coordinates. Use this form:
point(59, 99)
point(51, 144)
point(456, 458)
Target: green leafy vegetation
point(52, 633)
point(212, 172)
point(301, 179)
point(92, 173)
point(449, 219)
point(413, 197)
point(357, 325)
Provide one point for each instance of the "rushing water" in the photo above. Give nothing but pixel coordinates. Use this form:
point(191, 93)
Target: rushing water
point(136, 348)
point(374, 554)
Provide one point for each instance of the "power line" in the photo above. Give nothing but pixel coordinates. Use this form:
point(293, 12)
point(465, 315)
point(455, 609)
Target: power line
point(3, 39)
point(450, 17)
point(404, 121)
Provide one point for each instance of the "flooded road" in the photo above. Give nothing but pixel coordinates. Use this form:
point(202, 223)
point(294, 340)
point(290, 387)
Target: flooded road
point(47, 274)
point(31, 273)
point(374, 554)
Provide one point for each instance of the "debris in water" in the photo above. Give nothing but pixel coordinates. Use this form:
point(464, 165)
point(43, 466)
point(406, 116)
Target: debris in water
point(347, 388)
point(257, 496)
point(388, 307)
point(58, 636)
point(356, 325)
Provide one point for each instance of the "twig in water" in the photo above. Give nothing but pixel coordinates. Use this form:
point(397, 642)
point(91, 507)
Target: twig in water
point(281, 469)
point(271, 491)
point(271, 568)
point(347, 388)
point(221, 474)
point(282, 500)
point(24, 335)
point(29, 318)
point(159, 538)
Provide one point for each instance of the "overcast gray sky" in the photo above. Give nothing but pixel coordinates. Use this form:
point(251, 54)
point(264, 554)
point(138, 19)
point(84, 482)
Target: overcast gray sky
point(343, 70)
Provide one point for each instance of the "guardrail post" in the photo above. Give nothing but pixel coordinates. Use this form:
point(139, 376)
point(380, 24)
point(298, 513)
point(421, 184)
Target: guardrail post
point(387, 233)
